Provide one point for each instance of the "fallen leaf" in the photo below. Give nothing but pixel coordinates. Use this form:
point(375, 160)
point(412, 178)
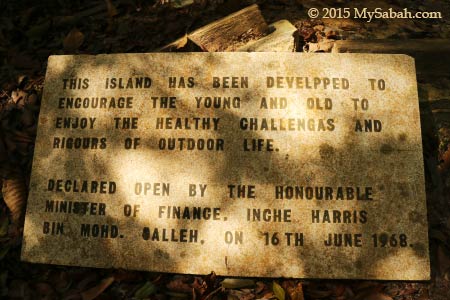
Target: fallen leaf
point(260, 286)
point(378, 296)
point(444, 166)
point(146, 290)
point(86, 279)
point(296, 293)
point(278, 291)
point(179, 284)
point(237, 283)
point(92, 293)
point(183, 41)
point(32, 99)
point(15, 196)
point(181, 3)
point(73, 40)
point(112, 11)
point(19, 97)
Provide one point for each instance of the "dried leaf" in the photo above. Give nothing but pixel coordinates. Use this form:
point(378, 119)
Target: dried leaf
point(73, 40)
point(86, 279)
point(260, 286)
point(32, 99)
point(146, 290)
point(248, 295)
point(112, 11)
point(208, 286)
point(181, 3)
point(19, 97)
point(296, 293)
point(378, 296)
point(183, 41)
point(325, 46)
point(92, 293)
point(179, 284)
point(444, 166)
point(237, 283)
point(15, 196)
point(278, 291)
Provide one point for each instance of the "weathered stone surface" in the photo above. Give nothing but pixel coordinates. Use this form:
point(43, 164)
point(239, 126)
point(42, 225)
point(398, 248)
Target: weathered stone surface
point(312, 159)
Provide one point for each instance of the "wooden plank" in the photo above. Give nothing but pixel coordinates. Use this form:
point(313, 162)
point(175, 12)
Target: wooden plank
point(280, 40)
point(180, 45)
point(223, 34)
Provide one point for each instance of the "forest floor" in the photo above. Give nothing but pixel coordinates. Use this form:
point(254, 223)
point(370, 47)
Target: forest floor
point(30, 31)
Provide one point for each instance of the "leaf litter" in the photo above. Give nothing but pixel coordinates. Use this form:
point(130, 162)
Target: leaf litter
point(30, 33)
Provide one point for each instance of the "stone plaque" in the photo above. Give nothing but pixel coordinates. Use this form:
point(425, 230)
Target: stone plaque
point(247, 164)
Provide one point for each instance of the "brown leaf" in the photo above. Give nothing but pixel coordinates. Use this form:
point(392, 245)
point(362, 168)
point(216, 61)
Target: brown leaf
point(444, 166)
point(73, 40)
point(19, 97)
point(15, 196)
point(179, 284)
point(112, 11)
point(32, 99)
point(183, 41)
point(92, 293)
point(296, 292)
point(209, 285)
point(378, 296)
point(260, 287)
point(88, 279)
point(237, 283)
